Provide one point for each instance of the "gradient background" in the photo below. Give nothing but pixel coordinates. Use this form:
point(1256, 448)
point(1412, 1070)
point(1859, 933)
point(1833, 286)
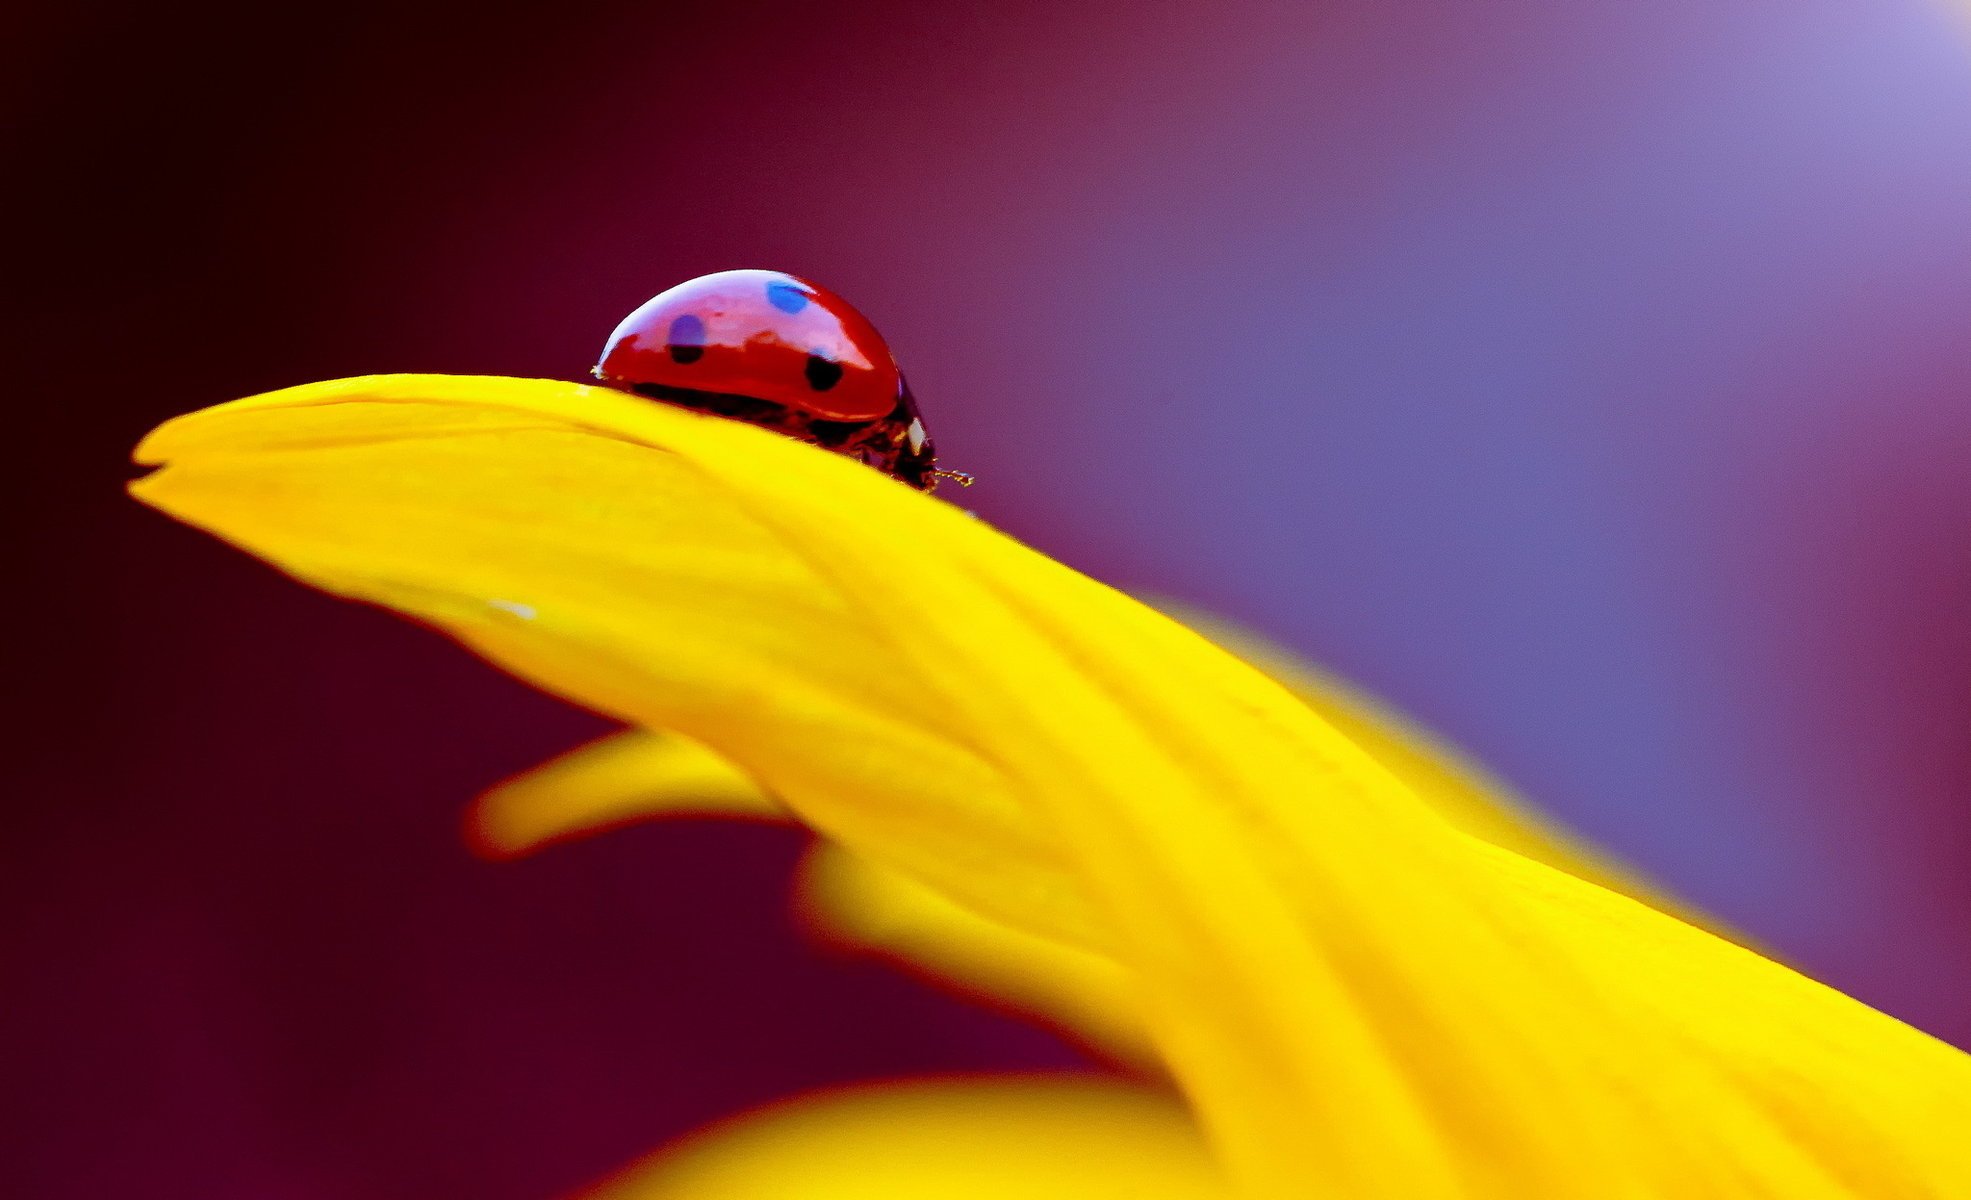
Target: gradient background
point(1590, 378)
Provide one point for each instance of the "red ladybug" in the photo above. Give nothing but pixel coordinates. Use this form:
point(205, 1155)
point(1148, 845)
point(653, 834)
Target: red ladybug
point(776, 351)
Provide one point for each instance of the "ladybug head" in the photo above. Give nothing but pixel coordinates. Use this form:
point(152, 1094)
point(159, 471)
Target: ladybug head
point(761, 335)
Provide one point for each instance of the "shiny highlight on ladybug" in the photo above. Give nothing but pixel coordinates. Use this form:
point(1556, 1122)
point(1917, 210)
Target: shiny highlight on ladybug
point(776, 351)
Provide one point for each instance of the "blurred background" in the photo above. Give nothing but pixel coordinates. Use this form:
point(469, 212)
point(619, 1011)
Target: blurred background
point(1591, 379)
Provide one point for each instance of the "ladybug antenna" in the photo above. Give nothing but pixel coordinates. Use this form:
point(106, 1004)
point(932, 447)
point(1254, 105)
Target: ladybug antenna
point(958, 477)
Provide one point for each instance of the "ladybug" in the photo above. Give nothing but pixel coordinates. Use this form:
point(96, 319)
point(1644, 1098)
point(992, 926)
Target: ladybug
point(777, 351)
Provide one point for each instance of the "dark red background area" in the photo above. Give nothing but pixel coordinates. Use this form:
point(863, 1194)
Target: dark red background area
point(1590, 380)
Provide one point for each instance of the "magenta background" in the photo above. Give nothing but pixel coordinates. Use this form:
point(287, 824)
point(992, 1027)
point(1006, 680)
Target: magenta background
point(1592, 379)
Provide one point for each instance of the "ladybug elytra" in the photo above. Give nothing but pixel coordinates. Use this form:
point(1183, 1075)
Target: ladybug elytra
point(773, 350)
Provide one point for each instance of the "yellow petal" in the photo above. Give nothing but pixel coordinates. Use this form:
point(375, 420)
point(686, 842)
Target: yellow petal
point(543, 525)
point(945, 1140)
point(1354, 995)
point(1320, 954)
point(630, 776)
point(641, 775)
point(1082, 994)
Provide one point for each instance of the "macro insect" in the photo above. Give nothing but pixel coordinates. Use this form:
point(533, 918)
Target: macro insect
point(777, 351)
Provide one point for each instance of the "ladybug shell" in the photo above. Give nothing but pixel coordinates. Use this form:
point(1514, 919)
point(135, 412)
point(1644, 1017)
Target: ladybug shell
point(763, 335)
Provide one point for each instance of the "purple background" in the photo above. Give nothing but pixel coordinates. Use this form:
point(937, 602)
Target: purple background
point(1591, 379)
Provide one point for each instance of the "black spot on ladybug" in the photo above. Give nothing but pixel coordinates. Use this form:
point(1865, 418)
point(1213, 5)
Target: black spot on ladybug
point(786, 297)
point(822, 373)
point(685, 341)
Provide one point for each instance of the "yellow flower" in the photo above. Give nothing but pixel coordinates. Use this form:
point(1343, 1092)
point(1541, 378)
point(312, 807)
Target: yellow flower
point(1352, 994)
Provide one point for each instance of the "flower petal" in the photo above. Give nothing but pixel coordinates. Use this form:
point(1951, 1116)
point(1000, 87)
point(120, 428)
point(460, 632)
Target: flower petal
point(544, 525)
point(651, 775)
point(634, 775)
point(1082, 994)
point(1349, 989)
point(949, 1139)
point(1354, 995)
point(640, 775)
